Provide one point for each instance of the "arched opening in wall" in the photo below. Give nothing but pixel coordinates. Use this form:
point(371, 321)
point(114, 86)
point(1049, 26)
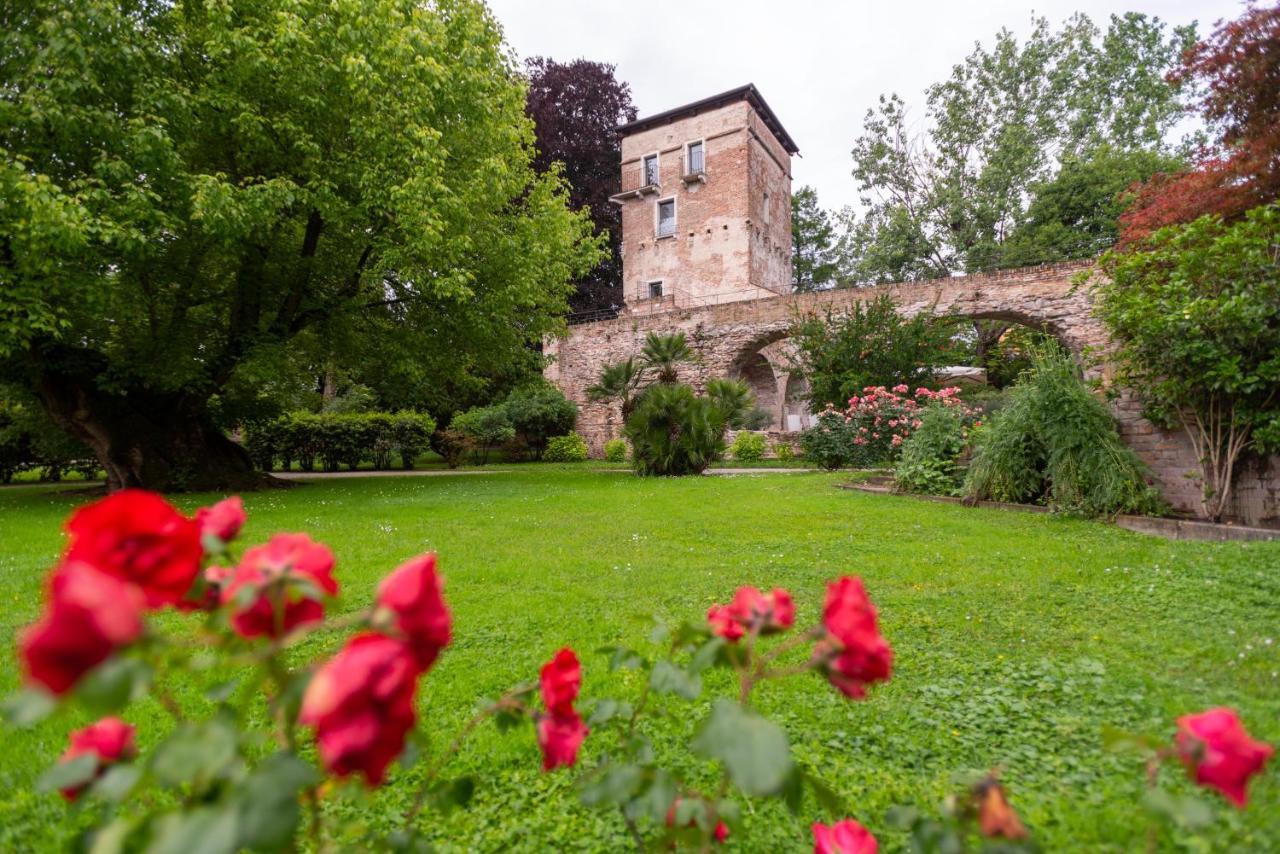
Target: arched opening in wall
point(992, 350)
point(758, 374)
point(796, 414)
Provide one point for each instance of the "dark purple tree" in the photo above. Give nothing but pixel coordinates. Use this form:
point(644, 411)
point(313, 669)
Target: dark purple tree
point(577, 107)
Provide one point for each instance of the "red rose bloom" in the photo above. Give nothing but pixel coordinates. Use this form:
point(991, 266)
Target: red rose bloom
point(89, 615)
point(277, 572)
point(561, 678)
point(138, 537)
point(413, 596)
point(720, 834)
point(559, 737)
point(223, 520)
point(767, 613)
point(1219, 753)
point(854, 653)
point(111, 739)
point(844, 837)
point(361, 705)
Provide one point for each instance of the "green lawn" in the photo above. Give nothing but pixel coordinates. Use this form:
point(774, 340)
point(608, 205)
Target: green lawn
point(1017, 638)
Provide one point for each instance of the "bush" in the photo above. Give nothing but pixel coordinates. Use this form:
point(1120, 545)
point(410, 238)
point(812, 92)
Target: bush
point(829, 442)
point(566, 449)
point(927, 462)
point(337, 439)
point(539, 412)
point(784, 452)
point(452, 446)
point(487, 427)
point(29, 440)
point(674, 431)
point(615, 450)
point(747, 447)
point(1056, 443)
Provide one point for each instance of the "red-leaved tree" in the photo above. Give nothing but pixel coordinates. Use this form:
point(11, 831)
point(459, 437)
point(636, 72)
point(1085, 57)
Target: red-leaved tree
point(1238, 69)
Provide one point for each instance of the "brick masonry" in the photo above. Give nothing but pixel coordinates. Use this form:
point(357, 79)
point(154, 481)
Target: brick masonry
point(728, 337)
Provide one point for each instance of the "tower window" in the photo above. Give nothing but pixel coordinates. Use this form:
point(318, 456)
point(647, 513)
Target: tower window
point(655, 289)
point(667, 218)
point(650, 176)
point(695, 162)
point(765, 216)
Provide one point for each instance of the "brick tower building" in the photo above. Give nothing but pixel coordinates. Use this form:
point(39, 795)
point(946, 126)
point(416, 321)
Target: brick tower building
point(706, 204)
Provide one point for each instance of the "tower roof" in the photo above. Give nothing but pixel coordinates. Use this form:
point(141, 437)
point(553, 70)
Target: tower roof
point(748, 93)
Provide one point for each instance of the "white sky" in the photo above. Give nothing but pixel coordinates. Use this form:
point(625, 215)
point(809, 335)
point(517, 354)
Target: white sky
point(819, 63)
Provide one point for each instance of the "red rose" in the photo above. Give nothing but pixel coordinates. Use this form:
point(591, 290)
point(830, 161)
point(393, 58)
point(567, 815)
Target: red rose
point(139, 537)
point(561, 679)
point(111, 739)
point(288, 571)
point(844, 837)
point(767, 613)
point(413, 596)
point(223, 520)
point(854, 653)
point(560, 736)
point(361, 705)
point(720, 834)
point(89, 615)
point(1219, 753)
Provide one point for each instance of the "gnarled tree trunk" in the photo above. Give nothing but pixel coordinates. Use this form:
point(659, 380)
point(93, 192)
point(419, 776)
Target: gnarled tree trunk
point(159, 441)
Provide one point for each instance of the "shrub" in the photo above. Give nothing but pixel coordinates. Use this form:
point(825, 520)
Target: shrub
point(615, 450)
point(452, 446)
point(539, 412)
point(883, 419)
point(784, 452)
point(566, 449)
point(829, 442)
point(927, 462)
point(1055, 442)
point(337, 439)
point(487, 427)
point(674, 431)
point(747, 447)
point(30, 440)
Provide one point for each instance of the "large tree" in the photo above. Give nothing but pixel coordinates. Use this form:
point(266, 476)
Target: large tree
point(190, 190)
point(947, 198)
point(1238, 71)
point(576, 108)
point(813, 260)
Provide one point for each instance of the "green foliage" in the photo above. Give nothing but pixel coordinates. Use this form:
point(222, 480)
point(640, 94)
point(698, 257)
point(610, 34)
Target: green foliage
point(619, 383)
point(784, 452)
point(927, 460)
point(29, 440)
point(187, 190)
point(615, 451)
point(871, 345)
point(829, 442)
point(539, 412)
point(452, 445)
point(736, 404)
point(1195, 311)
point(1055, 442)
point(486, 426)
point(566, 449)
point(338, 439)
point(674, 431)
point(663, 354)
point(946, 199)
point(814, 264)
point(747, 447)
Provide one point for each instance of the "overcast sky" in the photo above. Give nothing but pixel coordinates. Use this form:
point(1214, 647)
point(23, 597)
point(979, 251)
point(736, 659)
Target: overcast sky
point(819, 63)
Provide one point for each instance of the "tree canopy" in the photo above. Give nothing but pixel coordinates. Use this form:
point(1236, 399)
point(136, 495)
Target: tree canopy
point(947, 199)
point(814, 264)
point(194, 191)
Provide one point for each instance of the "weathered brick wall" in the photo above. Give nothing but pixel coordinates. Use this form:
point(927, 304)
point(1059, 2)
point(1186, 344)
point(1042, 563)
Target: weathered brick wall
point(726, 336)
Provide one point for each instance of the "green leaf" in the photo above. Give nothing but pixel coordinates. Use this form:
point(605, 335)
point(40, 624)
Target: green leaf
point(709, 654)
point(268, 801)
point(221, 692)
point(1117, 740)
point(825, 796)
point(753, 749)
point(117, 782)
point(110, 838)
point(604, 711)
point(114, 684)
point(453, 794)
point(28, 707)
point(207, 830)
point(69, 774)
point(621, 658)
point(195, 752)
point(615, 785)
point(656, 797)
point(667, 678)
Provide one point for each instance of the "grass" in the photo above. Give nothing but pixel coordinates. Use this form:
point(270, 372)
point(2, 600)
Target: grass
point(1018, 637)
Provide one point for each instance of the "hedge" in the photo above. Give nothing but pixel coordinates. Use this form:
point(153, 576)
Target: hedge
point(334, 439)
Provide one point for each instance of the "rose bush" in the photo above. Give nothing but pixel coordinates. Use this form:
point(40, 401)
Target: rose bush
point(241, 776)
point(882, 419)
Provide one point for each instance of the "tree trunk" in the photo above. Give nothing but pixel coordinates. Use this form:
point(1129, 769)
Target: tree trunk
point(162, 442)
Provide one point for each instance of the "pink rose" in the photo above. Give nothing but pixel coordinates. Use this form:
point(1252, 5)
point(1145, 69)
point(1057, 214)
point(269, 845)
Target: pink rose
point(110, 740)
point(284, 577)
point(223, 520)
point(559, 737)
point(412, 595)
point(853, 654)
point(767, 613)
point(560, 680)
point(844, 837)
point(1219, 753)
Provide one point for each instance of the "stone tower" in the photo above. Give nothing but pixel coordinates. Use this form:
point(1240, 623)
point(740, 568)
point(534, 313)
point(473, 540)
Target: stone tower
point(706, 204)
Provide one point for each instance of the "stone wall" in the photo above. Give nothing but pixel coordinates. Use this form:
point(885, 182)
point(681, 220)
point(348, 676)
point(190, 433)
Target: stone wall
point(728, 336)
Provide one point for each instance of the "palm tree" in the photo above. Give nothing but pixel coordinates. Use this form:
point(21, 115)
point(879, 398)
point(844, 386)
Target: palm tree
point(736, 404)
point(664, 353)
point(618, 382)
